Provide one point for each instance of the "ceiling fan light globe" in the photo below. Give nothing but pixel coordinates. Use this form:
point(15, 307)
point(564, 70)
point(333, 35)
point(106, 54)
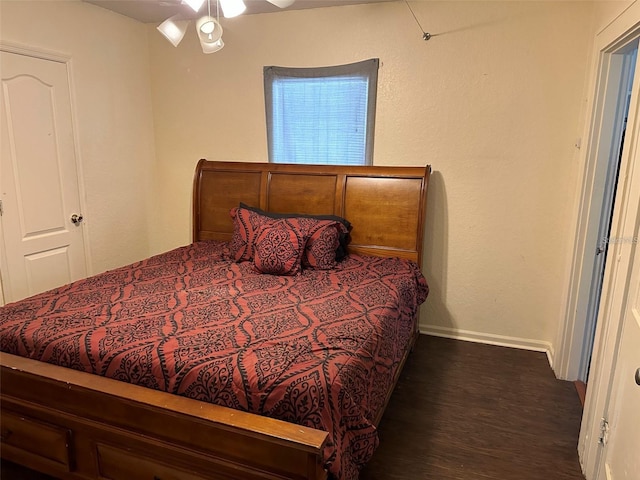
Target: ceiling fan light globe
point(208, 29)
point(173, 29)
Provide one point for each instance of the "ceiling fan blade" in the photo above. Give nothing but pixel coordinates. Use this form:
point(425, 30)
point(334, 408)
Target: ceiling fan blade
point(282, 3)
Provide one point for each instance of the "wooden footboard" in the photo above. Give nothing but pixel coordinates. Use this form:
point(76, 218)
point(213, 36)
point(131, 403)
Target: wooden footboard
point(75, 425)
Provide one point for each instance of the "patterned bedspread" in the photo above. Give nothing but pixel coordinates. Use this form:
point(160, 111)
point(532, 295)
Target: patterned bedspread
point(319, 349)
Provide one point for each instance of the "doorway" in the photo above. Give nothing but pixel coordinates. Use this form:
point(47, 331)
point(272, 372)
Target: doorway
point(604, 149)
point(624, 78)
point(609, 439)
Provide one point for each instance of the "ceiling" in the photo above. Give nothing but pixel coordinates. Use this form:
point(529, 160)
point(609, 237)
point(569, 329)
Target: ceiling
point(156, 11)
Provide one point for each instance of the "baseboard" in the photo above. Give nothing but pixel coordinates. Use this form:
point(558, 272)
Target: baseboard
point(490, 339)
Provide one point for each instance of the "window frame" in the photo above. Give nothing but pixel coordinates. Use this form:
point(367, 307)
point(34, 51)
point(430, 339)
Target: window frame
point(365, 68)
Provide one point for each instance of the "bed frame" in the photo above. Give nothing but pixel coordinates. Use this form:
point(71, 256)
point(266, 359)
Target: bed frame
point(74, 425)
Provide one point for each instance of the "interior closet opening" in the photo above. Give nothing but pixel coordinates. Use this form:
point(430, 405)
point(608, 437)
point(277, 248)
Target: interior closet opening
point(604, 145)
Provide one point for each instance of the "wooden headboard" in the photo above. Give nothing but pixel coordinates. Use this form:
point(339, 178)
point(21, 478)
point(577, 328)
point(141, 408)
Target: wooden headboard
point(385, 205)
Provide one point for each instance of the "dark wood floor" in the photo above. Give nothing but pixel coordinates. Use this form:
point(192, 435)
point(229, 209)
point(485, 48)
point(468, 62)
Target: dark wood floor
point(465, 411)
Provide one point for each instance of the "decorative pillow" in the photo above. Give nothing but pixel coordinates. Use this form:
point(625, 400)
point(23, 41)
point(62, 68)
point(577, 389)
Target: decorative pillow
point(278, 248)
point(245, 226)
point(343, 237)
point(324, 240)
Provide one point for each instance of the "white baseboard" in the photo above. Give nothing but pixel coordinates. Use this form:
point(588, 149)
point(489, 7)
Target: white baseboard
point(490, 339)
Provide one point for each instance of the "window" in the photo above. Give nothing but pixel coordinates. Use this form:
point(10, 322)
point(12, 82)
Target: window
point(321, 115)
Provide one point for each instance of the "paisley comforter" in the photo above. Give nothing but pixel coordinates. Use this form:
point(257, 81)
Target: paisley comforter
point(318, 349)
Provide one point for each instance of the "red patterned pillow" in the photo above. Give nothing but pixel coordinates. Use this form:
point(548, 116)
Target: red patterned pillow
point(324, 239)
point(246, 224)
point(341, 251)
point(278, 248)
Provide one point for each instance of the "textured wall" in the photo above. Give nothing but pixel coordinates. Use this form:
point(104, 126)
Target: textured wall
point(493, 101)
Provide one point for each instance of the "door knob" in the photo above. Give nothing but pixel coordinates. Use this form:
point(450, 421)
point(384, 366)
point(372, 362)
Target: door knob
point(76, 219)
point(638, 376)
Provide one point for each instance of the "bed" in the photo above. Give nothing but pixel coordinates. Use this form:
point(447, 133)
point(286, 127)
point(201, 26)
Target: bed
point(180, 397)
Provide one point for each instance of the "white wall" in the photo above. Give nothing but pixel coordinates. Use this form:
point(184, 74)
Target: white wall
point(110, 68)
point(493, 101)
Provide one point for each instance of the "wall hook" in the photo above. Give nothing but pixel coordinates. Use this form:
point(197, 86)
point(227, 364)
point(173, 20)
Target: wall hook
point(425, 35)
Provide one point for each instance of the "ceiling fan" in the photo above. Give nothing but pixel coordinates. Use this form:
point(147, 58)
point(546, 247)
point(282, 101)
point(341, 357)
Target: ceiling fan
point(208, 28)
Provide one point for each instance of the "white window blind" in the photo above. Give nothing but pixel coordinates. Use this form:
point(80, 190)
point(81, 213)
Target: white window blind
point(321, 115)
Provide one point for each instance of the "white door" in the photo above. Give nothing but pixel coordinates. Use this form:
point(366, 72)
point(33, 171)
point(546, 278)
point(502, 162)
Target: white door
point(622, 445)
point(43, 241)
point(622, 451)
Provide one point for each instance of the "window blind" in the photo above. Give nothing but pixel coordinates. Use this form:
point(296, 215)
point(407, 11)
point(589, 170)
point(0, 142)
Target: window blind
point(321, 115)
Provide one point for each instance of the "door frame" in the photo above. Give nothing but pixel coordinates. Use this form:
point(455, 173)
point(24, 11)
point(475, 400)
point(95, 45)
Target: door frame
point(571, 357)
point(620, 32)
point(44, 54)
